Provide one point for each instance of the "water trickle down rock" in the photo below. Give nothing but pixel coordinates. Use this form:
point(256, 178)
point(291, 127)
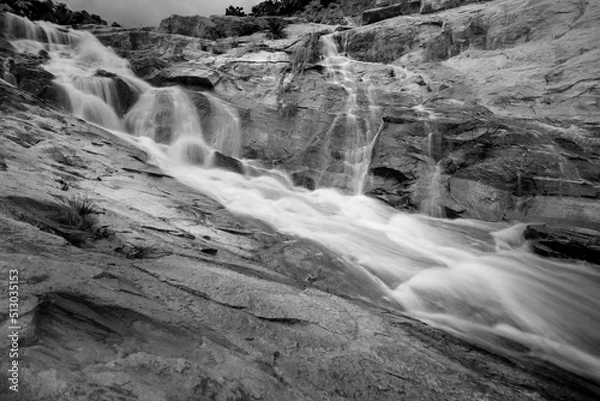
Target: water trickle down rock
point(349, 141)
point(431, 184)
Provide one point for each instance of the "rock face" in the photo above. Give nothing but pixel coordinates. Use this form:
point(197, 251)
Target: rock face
point(490, 167)
point(516, 86)
point(158, 293)
point(511, 140)
point(486, 110)
point(215, 27)
point(548, 154)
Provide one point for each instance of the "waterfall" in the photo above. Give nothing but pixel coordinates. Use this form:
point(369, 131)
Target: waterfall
point(432, 182)
point(6, 74)
point(164, 115)
point(474, 279)
point(84, 69)
point(41, 31)
point(356, 145)
point(225, 127)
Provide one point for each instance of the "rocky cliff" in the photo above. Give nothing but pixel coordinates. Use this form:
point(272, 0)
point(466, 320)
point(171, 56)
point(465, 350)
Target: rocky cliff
point(506, 89)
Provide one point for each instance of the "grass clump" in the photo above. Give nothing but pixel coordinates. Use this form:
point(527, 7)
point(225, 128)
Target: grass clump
point(275, 29)
point(288, 109)
point(77, 212)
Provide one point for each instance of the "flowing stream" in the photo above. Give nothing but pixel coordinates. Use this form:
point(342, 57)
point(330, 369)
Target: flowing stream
point(475, 279)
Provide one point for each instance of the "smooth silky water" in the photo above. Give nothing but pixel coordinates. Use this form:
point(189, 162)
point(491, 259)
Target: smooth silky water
point(475, 279)
point(360, 126)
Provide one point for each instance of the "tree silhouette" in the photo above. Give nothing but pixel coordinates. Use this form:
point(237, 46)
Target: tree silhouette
point(237, 11)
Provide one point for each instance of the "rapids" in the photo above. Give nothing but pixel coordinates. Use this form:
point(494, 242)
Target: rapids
point(474, 279)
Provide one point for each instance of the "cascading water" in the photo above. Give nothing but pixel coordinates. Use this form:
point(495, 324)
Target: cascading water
point(42, 31)
point(432, 193)
point(76, 58)
point(569, 175)
point(226, 135)
point(6, 74)
point(475, 279)
point(358, 132)
point(164, 115)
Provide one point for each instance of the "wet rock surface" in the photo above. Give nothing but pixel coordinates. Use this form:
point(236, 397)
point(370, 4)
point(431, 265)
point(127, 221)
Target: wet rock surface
point(137, 310)
point(564, 242)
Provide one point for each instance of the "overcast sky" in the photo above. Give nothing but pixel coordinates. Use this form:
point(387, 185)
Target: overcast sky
point(151, 12)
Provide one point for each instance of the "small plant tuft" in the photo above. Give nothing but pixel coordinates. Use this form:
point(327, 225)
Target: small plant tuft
point(275, 29)
point(78, 212)
point(288, 109)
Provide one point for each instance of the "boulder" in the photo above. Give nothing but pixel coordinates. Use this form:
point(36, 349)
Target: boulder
point(225, 162)
point(564, 242)
point(404, 7)
point(126, 96)
point(56, 95)
point(191, 76)
point(304, 180)
point(29, 74)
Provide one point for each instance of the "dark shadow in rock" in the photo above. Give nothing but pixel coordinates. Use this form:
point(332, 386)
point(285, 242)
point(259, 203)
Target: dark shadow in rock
point(3, 166)
point(389, 174)
point(141, 252)
point(102, 333)
point(126, 96)
point(56, 95)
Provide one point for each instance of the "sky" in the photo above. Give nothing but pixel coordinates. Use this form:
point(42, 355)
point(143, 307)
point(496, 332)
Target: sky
point(151, 12)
